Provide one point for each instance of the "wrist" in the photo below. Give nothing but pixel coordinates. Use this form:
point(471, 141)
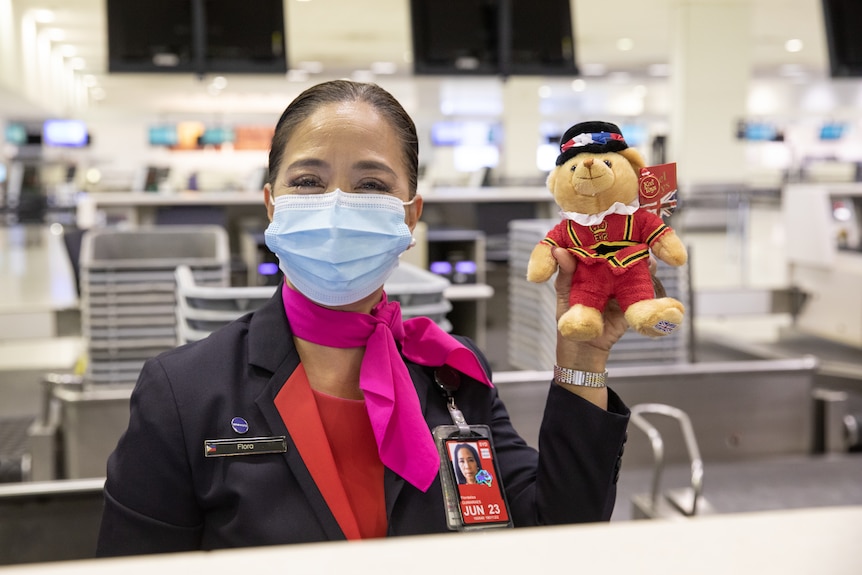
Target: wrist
point(596, 392)
point(582, 356)
point(573, 377)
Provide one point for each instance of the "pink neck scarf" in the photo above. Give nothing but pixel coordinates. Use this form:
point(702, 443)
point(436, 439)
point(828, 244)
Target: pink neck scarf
point(404, 441)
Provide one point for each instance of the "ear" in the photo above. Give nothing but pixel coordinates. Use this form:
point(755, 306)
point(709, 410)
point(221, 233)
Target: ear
point(635, 159)
point(413, 212)
point(551, 182)
point(268, 201)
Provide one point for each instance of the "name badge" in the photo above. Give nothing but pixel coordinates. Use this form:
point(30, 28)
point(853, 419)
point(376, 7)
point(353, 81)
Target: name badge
point(244, 446)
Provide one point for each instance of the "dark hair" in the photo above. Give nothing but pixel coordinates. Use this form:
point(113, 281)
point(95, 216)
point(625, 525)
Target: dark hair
point(471, 449)
point(337, 91)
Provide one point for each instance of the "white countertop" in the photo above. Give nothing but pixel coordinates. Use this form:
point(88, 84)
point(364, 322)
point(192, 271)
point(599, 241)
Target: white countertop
point(824, 540)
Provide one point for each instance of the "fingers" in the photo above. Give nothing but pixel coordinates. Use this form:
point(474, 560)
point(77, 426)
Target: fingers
point(565, 260)
point(563, 281)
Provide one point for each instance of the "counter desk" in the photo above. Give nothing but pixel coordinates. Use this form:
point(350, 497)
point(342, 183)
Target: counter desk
point(803, 541)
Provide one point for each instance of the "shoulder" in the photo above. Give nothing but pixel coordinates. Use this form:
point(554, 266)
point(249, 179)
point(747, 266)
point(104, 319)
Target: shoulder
point(224, 344)
point(202, 371)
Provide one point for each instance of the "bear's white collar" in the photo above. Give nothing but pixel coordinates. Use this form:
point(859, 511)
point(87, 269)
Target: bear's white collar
point(593, 219)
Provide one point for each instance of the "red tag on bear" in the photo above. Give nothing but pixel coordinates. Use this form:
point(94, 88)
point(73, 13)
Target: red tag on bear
point(657, 189)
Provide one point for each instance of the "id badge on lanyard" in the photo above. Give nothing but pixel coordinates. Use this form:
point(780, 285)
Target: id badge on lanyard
point(472, 487)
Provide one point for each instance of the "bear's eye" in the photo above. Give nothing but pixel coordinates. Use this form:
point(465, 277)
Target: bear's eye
point(608, 163)
point(574, 167)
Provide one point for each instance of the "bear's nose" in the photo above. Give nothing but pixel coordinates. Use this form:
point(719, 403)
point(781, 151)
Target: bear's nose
point(588, 163)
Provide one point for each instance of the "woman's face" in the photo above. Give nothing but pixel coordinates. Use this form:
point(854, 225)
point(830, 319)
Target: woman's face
point(467, 464)
point(347, 146)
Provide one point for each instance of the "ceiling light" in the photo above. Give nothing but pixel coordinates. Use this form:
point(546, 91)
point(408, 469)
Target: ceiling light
point(67, 50)
point(77, 63)
point(544, 92)
point(794, 45)
point(55, 34)
point(578, 85)
point(219, 83)
point(90, 80)
point(625, 44)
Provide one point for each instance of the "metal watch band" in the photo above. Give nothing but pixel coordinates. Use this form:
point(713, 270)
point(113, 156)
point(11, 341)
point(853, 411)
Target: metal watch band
point(566, 376)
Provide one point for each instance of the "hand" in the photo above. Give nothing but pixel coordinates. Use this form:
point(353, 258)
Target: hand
point(585, 355)
point(615, 324)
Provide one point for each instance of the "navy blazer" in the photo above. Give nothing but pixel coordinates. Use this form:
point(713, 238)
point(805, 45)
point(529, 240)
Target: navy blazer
point(163, 495)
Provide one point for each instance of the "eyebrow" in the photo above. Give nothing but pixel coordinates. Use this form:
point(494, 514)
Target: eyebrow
point(360, 165)
point(308, 163)
point(373, 165)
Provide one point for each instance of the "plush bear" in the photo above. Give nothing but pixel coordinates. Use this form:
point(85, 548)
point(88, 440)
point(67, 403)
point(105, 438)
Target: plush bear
point(595, 184)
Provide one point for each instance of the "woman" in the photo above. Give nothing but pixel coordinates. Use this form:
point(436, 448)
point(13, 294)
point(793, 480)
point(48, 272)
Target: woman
point(333, 395)
point(467, 464)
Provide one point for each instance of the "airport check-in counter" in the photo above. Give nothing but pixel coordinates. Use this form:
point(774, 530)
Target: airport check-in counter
point(797, 542)
point(761, 430)
point(741, 410)
point(824, 250)
point(754, 422)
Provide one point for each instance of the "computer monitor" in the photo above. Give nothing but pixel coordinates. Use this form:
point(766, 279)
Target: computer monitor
point(842, 18)
point(65, 133)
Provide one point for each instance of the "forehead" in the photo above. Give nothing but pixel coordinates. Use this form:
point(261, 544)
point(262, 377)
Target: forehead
point(352, 125)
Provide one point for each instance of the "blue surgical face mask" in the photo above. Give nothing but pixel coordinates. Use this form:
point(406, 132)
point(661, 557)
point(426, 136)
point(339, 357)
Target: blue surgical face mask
point(337, 248)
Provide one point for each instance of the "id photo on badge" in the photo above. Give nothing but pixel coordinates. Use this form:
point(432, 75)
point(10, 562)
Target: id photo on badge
point(479, 491)
point(468, 464)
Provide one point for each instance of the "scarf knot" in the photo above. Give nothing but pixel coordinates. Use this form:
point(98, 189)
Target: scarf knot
point(389, 314)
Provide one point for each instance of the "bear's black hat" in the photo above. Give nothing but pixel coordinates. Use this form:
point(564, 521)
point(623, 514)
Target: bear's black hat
point(593, 137)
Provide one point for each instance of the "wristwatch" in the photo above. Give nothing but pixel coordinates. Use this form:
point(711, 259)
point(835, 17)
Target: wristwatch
point(566, 376)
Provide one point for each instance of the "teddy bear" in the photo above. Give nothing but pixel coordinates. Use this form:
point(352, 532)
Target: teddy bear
point(595, 183)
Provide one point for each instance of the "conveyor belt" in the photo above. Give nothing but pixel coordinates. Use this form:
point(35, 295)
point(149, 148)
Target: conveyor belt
point(833, 357)
point(763, 485)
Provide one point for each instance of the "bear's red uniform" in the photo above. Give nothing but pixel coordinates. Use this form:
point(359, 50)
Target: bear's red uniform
point(617, 251)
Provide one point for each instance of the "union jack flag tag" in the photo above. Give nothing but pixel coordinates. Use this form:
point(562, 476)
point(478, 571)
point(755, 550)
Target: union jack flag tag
point(657, 189)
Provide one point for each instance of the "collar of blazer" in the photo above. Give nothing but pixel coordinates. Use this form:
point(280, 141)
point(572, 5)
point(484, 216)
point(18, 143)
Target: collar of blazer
point(269, 334)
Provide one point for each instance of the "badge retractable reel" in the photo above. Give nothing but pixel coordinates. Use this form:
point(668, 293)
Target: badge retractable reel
point(471, 480)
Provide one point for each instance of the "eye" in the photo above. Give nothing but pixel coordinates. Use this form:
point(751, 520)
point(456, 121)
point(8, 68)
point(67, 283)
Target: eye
point(372, 186)
point(574, 167)
point(608, 163)
point(306, 182)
